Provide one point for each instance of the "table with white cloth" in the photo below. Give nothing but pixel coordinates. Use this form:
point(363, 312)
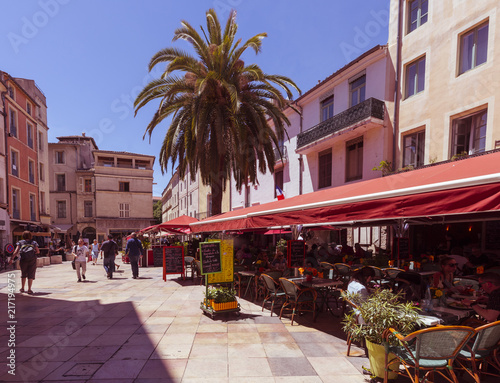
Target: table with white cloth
point(326, 288)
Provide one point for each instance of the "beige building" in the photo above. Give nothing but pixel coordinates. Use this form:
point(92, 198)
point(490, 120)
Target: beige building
point(448, 68)
point(123, 192)
point(96, 192)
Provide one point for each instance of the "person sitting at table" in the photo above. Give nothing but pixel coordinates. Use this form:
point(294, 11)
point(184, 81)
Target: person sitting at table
point(443, 279)
point(358, 251)
point(476, 259)
point(262, 262)
point(279, 261)
point(359, 282)
point(312, 257)
point(490, 283)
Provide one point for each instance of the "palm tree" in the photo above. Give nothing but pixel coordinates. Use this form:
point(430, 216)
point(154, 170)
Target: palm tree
point(221, 109)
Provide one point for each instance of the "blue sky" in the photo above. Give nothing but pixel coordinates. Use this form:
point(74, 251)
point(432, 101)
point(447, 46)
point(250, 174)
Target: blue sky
point(90, 57)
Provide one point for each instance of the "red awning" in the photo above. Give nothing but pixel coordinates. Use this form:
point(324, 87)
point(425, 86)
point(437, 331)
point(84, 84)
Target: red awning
point(277, 231)
point(181, 222)
point(467, 186)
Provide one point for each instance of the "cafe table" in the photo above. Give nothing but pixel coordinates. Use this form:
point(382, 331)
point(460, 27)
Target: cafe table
point(324, 287)
point(446, 315)
point(250, 276)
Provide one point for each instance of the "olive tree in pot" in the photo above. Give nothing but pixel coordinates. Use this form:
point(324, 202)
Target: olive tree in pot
point(383, 309)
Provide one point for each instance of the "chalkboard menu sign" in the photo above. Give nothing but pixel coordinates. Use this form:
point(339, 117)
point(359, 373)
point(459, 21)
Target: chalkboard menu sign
point(174, 259)
point(401, 248)
point(296, 253)
point(158, 256)
point(210, 257)
point(227, 263)
point(492, 235)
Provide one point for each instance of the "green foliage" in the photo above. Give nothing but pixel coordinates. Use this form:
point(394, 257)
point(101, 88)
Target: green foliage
point(385, 166)
point(221, 294)
point(383, 309)
point(157, 212)
point(221, 109)
point(282, 245)
point(459, 156)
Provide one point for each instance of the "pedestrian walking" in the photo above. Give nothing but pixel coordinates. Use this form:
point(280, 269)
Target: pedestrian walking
point(109, 249)
point(134, 251)
point(95, 251)
point(26, 249)
point(81, 252)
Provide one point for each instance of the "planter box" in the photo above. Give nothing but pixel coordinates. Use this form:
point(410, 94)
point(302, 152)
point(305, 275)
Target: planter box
point(39, 262)
point(55, 259)
point(224, 306)
point(70, 256)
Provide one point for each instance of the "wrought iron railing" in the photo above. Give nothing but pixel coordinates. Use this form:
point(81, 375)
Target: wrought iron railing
point(284, 154)
point(368, 108)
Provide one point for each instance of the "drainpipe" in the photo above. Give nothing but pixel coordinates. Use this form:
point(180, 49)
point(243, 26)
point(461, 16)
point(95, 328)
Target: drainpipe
point(301, 160)
point(6, 128)
point(395, 122)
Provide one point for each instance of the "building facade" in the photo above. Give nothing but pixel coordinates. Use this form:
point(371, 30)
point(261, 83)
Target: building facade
point(97, 192)
point(447, 60)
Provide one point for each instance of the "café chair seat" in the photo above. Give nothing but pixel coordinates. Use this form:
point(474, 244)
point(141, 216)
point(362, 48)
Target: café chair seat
point(298, 299)
point(426, 352)
point(483, 352)
point(273, 291)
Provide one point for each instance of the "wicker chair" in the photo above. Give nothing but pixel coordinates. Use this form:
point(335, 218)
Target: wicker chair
point(483, 352)
point(343, 273)
point(298, 299)
point(273, 291)
point(359, 320)
point(428, 351)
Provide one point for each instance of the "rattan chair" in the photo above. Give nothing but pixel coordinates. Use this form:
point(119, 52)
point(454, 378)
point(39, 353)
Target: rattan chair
point(326, 267)
point(428, 351)
point(273, 291)
point(343, 273)
point(298, 299)
point(483, 352)
point(359, 320)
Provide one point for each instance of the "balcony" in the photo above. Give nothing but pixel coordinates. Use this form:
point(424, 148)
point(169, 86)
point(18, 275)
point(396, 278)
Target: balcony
point(371, 108)
point(16, 214)
point(284, 155)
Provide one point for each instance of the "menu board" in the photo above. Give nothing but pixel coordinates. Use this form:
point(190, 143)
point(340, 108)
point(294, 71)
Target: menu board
point(227, 262)
point(174, 259)
point(210, 257)
point(296, 253)
point(158, 256)
point(401, 248)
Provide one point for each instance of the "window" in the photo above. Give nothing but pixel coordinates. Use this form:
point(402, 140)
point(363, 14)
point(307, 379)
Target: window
point(16, 212)
point(87, 185)
point(190, 199)
point(41, 171)
point(31, 171)
point(42, 202)
point(469, 134)
point(354, 159)
point(13, 123)
point(32, 207)
point(29, 135)
point(59, 157)
point(60, 182)
point(28, 108)
point(124, 210)
point(87, 209)
point(209, 205)
point(14, 163)
point(124, 186)
point(278, 180)
point(414, 149)
point(326, 107)
point(40, 141)
point(473, 48)
point(61, 209)
point(415, 77)
point(357, 90)
point(11, 92)
point(325, 169)
point(417, 14)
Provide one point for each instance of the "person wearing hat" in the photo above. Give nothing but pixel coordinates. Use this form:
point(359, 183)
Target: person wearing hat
point(134, 251)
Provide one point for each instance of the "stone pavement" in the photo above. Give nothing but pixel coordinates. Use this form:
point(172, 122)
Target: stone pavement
point(147, 331)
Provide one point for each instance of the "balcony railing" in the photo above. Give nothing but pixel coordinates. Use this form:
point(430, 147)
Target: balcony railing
point(284, 154)
point(368, 108)
point(16, 213)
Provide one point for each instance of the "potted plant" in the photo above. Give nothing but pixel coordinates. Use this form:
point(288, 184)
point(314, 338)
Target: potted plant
point(383, 309)
point(222, 298)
